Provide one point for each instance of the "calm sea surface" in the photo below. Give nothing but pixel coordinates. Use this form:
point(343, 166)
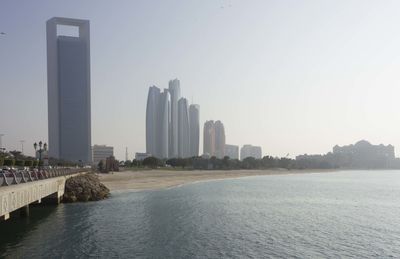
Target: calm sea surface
point(353, 214)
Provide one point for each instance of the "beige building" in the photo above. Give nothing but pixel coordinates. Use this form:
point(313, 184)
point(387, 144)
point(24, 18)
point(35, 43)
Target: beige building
point(214, 139)
point(232, 151)
point(101, 152)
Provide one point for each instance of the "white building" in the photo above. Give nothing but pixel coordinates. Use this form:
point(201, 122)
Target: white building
point(68, 86)
point(101, 152)
point(232, 151)
point(250, 151)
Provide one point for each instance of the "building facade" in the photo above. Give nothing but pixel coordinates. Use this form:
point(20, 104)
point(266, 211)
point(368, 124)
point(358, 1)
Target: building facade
point(214, 139)
point(101, 153)
point(152, 118)
point(175, 92)
point(158, 122)
point(183, 129)
point(219, 139)
point(164, 122)
point(141, 156)
point(209, 139)
point(194, 126)
point(232, 151)
point(68, 86)
point(250, 151)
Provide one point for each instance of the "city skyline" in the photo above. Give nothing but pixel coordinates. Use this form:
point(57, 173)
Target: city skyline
point(172, 125)
point(307, 85)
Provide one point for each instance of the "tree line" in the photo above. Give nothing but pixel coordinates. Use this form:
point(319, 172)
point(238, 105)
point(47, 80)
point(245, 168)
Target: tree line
point(214, 163)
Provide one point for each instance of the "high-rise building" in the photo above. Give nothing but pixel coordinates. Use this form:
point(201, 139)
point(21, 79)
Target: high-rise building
point(68, 86)
point(194, 126)
point(209, 138)
point(232, 151)
point(175, 92)
point(250, 151)
point(219, 139)
point(158, 115)
point(101, 153)
point(152, 118)
point(183, 129)
point(171, 125)
point(164, 122)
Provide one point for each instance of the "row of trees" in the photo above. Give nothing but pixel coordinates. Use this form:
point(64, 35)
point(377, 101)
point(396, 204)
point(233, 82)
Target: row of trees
point(16, 158)
point(19, 163)
point(214, 163)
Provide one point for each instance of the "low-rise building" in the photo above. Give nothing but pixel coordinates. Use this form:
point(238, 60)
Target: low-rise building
point(101, 152)
point(232, 151)
point(250, 151)
point(141, 156)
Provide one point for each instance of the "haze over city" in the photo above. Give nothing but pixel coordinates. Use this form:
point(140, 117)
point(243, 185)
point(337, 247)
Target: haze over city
point(290, 77)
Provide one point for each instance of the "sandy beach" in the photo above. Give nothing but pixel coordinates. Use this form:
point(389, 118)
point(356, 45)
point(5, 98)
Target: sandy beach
point(159, 179)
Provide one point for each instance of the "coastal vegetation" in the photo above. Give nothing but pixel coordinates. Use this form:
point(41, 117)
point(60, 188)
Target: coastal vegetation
point(17, 159)
point(213, 163)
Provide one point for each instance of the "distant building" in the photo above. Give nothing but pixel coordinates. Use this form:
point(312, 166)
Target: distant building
point(194, 126)
point(250, 151)
point(142, 156)
point(68, 90)
point(172, 128)
point(101, 152)
point(214, 139)
point(174, 88)
point(361, 155)
point(219, 139)
point(364, 155)
point(158, 116)
point(183, 129)
point(232, 151)
point(209, 138)
point(164, 121)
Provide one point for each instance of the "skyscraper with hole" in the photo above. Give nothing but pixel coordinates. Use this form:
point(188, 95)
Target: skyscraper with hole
point(68, 85)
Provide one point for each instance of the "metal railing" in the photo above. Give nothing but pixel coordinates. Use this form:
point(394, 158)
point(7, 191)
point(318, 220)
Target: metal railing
point(11, 177)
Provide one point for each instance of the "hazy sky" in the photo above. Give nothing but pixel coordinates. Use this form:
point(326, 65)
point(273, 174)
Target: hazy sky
point(291, 76)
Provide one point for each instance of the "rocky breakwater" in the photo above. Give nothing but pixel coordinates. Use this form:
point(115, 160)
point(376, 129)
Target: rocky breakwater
point(85, 187)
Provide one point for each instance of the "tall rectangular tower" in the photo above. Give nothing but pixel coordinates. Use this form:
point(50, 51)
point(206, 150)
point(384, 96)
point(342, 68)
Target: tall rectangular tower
point(68, 89)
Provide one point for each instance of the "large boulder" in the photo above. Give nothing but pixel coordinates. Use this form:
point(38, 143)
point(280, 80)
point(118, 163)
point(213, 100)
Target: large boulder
point(86, 187)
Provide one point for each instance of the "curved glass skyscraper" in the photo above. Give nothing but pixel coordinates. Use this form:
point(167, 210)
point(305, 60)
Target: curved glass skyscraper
point(183, 129)
point(175, 92)
point(170, 126)
point(194, 125)
point(152, 120)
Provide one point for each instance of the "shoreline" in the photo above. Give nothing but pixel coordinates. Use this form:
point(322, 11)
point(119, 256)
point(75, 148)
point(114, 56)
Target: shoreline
point(147, 180)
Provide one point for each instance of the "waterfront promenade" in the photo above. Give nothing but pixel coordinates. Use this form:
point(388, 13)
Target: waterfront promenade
point(20, 192)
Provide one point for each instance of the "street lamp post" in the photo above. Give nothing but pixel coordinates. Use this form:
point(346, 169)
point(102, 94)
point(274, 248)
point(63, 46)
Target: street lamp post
point(42, 148)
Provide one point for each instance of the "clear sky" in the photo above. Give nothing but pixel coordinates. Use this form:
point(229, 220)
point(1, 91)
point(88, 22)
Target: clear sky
point(291, 76)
